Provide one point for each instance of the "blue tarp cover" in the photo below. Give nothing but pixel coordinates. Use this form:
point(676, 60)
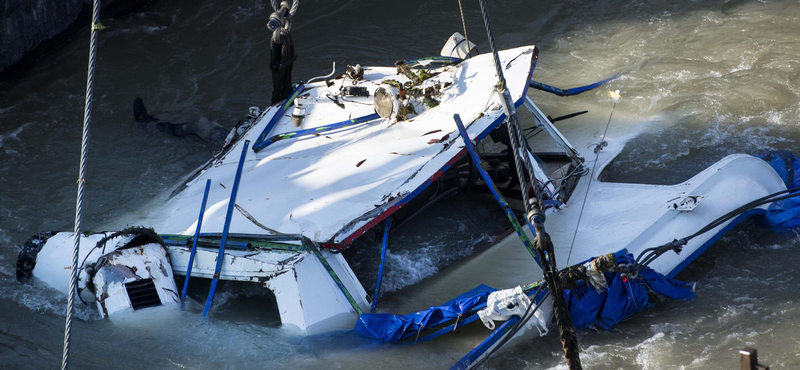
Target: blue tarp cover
point(392, 328)
point(624, 296)
point(785, 213)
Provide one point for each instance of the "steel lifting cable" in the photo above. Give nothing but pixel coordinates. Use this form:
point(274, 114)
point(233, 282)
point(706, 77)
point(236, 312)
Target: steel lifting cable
point(512, 124)
point(87, 118)
point(277, 6)
point(534, 214)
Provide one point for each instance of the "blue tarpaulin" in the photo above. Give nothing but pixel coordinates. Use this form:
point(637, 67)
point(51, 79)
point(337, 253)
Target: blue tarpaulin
point(624, 297)
point(392, 328)
point(785, 213)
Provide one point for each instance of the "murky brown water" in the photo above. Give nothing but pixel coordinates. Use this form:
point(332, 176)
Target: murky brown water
point(707, 79)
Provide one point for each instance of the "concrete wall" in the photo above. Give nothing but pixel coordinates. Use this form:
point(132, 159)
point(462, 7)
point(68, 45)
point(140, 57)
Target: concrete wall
point(30, 28)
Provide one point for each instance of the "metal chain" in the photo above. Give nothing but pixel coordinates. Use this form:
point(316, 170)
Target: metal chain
point(87, 118)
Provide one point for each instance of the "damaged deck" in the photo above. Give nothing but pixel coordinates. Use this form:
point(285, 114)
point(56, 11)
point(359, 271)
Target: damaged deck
point(332, 187)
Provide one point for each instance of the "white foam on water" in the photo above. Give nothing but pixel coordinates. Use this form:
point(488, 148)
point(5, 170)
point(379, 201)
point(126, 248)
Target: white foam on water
point(13, 134)
point(409, 267)
point(8, 109)
point(255, 9)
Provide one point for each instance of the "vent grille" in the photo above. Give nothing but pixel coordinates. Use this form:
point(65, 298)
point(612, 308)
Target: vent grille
point(142, 294)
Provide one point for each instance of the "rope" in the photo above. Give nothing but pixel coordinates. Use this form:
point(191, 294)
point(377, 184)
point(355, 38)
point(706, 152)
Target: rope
point(597, 149)
point(464, 24)
point(87, 118)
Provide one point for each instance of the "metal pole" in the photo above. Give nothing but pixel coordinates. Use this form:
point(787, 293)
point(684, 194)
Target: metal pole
point(87, 119)
point(476, 160)
point(224, 240)
point(384, 246)
point(749, 359)
point(194, 242)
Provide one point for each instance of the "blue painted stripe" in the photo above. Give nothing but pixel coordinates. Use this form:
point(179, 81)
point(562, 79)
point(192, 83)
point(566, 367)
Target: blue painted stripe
point(568, 92)
point(487, 343)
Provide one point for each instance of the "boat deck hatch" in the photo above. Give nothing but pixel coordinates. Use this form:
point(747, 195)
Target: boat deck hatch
point(142, 294)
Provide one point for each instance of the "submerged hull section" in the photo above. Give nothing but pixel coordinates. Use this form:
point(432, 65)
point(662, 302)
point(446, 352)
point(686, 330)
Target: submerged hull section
point(316, 290)
point(118, 274)
point(636, 217)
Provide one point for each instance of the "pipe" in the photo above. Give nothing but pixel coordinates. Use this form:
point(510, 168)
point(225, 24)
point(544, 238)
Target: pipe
point(476, 160)
point(194, 242)
point(223, 241)
point(262, 138)
point(384, 246)
point(320, 129)
point(320, 78)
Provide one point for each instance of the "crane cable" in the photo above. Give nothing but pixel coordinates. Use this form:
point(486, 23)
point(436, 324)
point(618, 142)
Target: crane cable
point(87, 119)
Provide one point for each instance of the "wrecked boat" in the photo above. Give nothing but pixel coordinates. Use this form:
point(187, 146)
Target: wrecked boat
point(296, 183)
point(308, 189)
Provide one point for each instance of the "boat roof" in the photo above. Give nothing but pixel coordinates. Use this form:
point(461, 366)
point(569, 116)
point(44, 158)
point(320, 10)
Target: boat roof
point(333, 186)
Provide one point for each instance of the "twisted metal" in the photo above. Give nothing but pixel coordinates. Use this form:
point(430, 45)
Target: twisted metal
point(87, 118)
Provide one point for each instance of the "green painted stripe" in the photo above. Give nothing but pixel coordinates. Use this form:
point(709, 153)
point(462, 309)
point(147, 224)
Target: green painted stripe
point(212, 241)
point(335, 277)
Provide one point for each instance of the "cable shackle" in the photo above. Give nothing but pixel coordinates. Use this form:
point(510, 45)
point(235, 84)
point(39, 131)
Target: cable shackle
point(276, 6)
point(280, 21)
